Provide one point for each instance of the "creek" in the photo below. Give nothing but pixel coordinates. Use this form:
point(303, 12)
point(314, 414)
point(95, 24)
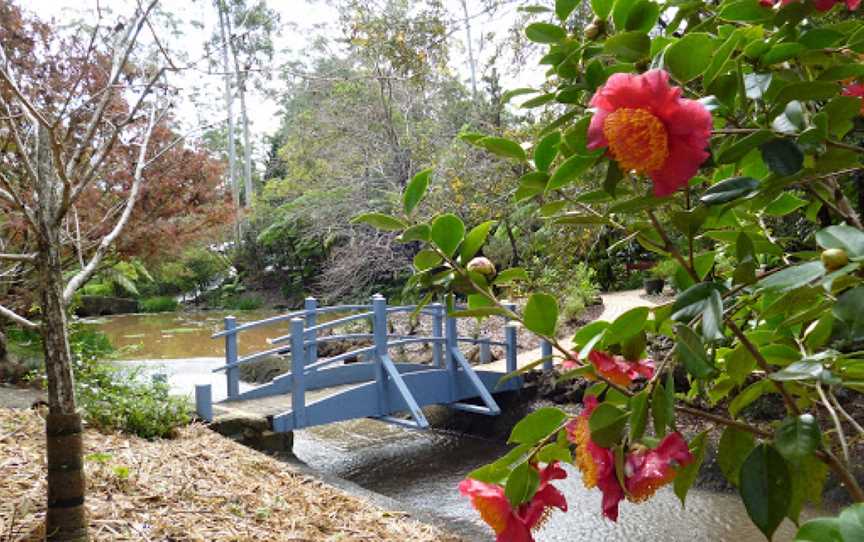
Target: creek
point(420, 468)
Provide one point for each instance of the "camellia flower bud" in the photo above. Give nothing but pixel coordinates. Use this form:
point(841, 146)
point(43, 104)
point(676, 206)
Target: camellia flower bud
point(481, 265)
point(593, 30)
point(834, 258)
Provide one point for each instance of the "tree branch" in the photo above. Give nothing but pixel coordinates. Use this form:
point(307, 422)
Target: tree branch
point(15, 317)
point(18, 257)
point(82, 276)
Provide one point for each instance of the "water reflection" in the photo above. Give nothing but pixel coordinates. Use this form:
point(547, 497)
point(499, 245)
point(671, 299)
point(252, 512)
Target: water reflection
point(174, 335)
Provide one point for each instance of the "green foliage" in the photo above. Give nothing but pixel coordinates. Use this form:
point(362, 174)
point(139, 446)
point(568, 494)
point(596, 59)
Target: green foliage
point(762, 238)
point(158, 304)
point(112, 399)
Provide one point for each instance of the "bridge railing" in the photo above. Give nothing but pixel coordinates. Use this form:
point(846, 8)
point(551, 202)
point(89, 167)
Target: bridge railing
point(304, 337)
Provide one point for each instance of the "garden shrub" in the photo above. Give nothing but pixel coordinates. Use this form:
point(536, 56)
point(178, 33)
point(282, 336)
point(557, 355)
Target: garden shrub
point(158, 304)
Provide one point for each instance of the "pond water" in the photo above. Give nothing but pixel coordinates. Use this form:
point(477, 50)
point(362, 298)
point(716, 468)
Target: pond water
point(419, 468)
point(423, 468)
point(176, 335)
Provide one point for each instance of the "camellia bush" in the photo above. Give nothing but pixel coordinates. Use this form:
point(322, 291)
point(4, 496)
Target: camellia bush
point(726, 138)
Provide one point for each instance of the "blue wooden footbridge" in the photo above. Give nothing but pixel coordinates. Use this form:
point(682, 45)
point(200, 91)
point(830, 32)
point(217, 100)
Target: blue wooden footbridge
point(365, 382)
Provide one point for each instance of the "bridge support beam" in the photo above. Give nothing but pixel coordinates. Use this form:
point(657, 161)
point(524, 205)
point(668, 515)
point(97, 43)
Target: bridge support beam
point(379, 331)
point(310, 305)
point(298, 381)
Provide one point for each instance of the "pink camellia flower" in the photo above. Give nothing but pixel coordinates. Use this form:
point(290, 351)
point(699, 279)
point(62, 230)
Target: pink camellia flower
point(596, 463)
point(857, 90)
point(515, 525)
point(645, 471)
point(618, 370)
point(650, 129)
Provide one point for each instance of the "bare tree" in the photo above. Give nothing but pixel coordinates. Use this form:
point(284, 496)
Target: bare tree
point(225, 33)
point(59, 133)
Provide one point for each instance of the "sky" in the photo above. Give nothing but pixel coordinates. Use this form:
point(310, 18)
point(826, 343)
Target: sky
point(301, 20)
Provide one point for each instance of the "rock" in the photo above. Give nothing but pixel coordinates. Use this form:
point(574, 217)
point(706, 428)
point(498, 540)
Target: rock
point(95, 305)
point(266, 369)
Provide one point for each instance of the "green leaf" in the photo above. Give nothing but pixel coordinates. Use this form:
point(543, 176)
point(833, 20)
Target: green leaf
point(638, 415)
point(475, 239)
point(745, 11)
point(793, 277)
point(545, 33)
point(798, 437)
point(691, 352)
point(602, 8)
point(563, 8)
point(765, 488)
point(820, 530)
point(686, 58)
point(628, 46)
point(687, 475)
point(848, 316)
point(521, 484)
point(536, 426)
point(541, 314)
point(782, 52)
point(735, 446)
point(799, 370)
point(447, 233)
point(784, 204)
point(621, 12)
point(503, 147)
point(415, 190)
point(607, 424)
point(744, 145)
point(820, 38)
point(782, 156)
point(749, 394)
point(546, 150)
point(509, 276)
point(420, 232)
point(380, 221)
point(628, 324)
point(728, 190)
point(804, 91)
point(642, 16)
point(693, 301)
point(555, 452)
point(510, 94)
point(842, 236)
point(569, 170)
point(538, 101)
point(721, 57)
point(852, 522)
point(841, 111)
point(426, 259)
point(662, 409)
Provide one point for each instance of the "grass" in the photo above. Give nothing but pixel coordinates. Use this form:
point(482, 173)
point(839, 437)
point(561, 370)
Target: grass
point(159, 304)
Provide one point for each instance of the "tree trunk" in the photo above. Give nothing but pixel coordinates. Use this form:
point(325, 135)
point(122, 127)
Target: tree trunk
point(472, 64)
point(66, 518)
point(229, 106)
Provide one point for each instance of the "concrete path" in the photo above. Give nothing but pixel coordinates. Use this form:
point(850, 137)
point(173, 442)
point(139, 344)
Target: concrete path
point(614, 305)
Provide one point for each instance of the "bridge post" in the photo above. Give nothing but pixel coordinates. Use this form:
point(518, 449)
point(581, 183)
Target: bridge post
point(451, 334)
point(546, 352)
point(311, 305)
point(437, 332)
point(232, 374)
point(510, 332)
point(298, 366)
point(204, 402)
point(379, 332)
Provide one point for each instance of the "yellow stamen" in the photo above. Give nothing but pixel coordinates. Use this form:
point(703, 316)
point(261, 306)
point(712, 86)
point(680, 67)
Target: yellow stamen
point(581, 434)
point(491, 514)
point(637, 139)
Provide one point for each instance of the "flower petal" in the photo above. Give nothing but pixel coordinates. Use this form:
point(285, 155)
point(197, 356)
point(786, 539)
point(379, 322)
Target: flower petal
point(681, 166)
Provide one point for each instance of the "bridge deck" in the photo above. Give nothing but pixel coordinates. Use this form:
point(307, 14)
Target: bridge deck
point(267, 407)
